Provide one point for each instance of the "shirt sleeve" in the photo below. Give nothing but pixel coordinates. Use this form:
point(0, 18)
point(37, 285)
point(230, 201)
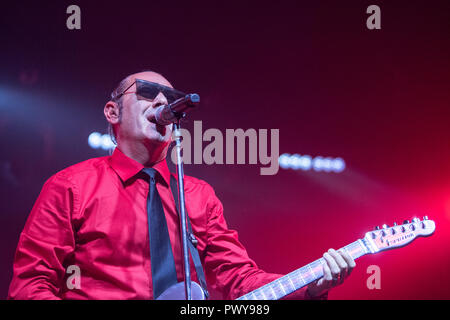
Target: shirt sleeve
point(228, 266)
point(45, 242)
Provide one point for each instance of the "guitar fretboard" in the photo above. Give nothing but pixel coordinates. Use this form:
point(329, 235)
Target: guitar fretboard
point(301, 277)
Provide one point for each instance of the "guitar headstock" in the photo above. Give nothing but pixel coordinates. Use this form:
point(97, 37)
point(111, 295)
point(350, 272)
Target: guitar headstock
point(386, 237)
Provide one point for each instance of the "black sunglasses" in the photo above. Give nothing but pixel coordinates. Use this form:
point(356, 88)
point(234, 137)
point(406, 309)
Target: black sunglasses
point(149, 90)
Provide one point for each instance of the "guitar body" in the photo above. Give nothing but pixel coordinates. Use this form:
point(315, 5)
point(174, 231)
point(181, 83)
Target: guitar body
point(177, 292)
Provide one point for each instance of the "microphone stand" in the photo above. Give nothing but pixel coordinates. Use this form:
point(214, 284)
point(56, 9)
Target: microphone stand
point(182, 210)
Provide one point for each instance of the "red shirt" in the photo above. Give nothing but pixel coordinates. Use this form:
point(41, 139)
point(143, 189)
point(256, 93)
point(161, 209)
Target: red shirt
point(93, 215)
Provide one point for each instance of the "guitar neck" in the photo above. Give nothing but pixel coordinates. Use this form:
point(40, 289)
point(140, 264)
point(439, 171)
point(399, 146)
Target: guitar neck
point(301, 277)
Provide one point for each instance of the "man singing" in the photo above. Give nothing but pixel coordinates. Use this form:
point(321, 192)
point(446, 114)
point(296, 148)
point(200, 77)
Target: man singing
point(108, 217)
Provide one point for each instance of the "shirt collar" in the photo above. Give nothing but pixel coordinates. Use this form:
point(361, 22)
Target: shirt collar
point(127, 168)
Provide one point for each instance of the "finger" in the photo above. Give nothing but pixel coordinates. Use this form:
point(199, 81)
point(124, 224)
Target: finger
point(327, 272)
point(343, 276)
point(339, 259)
point(341, 263)
point(350, 261)
point(327, 280)
point(334, 268)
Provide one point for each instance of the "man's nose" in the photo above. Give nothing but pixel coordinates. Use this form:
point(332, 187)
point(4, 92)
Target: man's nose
point(159, 100)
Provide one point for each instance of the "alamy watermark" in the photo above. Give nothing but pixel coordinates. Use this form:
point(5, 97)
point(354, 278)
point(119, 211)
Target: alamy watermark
point(373, 22)
point(235, 141)
point(74, 280)
point(374, 280)
point(73, 21)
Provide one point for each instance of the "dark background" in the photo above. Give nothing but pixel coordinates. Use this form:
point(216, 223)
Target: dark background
point(377, 98)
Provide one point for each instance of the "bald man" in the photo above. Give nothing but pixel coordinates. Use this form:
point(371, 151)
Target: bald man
point(88, 235)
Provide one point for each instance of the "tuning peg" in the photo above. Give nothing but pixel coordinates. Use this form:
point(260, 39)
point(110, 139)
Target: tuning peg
point(395, 224)
point(385, 226)
point(425, 218)
point(377, 228)
point(405, 221)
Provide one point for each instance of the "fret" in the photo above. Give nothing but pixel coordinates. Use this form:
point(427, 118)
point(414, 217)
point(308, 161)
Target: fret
point(264, 296)
point(295, 280)
point(307, 276)
point(312, 271)
point(273, 292)
point(282, 287)
point(319, 268)
point(318, 265)
point(356, 249)
point(292, 284)
point(350, 249)
point(259, 294)
point(362, 247)
point(301, 277)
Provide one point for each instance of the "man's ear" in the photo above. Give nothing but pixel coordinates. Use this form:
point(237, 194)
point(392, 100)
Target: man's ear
point(112, 112)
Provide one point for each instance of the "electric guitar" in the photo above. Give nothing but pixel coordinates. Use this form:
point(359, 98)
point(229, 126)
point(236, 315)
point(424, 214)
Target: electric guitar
point(380, 239)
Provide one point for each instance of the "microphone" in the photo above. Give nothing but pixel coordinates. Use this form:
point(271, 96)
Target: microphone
point(172, 112)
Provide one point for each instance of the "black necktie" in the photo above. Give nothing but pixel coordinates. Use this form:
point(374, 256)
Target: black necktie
point(161, 256)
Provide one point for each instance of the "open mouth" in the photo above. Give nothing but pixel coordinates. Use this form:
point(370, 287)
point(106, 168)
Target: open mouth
point(158, 127)
point(152, 119)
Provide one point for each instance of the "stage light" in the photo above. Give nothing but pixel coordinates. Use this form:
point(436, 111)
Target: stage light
point(318, 164)
point(283, 161)
point(306, 162)
point(95, 140)
point(98, 141)
point(338, 165)
point(295, 161)
point(107, 142)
